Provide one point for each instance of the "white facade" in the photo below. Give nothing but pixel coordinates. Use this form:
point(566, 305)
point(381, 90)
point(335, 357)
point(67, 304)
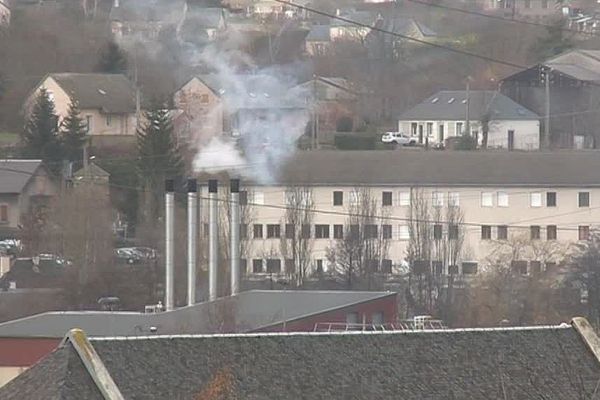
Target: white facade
point(525, 134)
point(494, 217)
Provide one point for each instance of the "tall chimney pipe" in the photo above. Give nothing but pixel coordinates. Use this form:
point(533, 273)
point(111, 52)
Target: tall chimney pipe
point(234, 234)
point(169, 249)
point(213, 240)
point(192, 239)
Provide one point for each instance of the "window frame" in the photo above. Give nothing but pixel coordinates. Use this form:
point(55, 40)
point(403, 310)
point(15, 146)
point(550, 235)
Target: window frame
point(533, 203)
point(487, 196)
point(502, 199)
point(322, 231)
point(549, 196)
point(338, 202)
point(387, 195)
point(486, 232)
point(579, 199)
point(554, 230)
point(273, 231)
point(258, 231)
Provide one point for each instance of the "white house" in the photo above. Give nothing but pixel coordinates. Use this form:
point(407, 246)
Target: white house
point(443, 115)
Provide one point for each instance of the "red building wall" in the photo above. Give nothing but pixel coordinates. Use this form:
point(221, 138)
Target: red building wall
point(24, 352)
point(387, 305)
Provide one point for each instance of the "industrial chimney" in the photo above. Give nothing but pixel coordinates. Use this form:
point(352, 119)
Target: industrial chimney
point(192, 239)
point(213, 239)
point(234, 233)
point(169, 243)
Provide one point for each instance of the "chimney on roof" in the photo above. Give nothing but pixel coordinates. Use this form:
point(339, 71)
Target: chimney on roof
point(213, 240)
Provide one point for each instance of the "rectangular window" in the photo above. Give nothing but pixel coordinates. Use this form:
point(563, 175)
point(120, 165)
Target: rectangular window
point(108, 119)
point(453, 199)
point(4, 213)
point(338, 198)
point(243, 231)
point(243, 198)
point(430, 129)
point(322, 231)
point(502, 199)
point(437, 231)
point(550, 199)
point(487, 199)
point(535, 199)
point(519, 267)
point(377, 318)
point(502, 232)
point(584, 199)
point(354, 231)
point(386, 266)
point(403, 232)
point(404, 199)
point(413, 128)
point(438, 267)
point(371, 231)
point(534, 231)
point(386, 199)
point(273, 231)
point(257, 266)
point(459, 128)
point(273, 266)
point(486, 232)
point(258, 231)
point(453, 232)
point(305, 231)
point(584, 232)
point(289, 231)
point(338, 231)
point(386, 231)
point(551, 232)
point(437, 199)
point(88, 123)
point(258, 198)
point(319, 266)
point(469, 268)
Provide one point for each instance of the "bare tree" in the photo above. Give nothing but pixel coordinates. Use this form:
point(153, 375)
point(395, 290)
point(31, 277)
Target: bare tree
point(296, 243)
point(357, 256)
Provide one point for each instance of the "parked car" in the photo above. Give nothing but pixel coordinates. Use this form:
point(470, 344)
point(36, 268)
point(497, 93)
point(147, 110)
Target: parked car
point(146, 253)
point(398, 138)
point(128, 256)
point(10, 247)
point(58, 260)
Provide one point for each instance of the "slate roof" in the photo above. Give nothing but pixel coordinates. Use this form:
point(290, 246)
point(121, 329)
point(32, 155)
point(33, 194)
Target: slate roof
point(363, 17)
point(451, 105)
point(318, 33)
point(583, 65)
point(95, 171)
point(443, 168)
point(246, 312)
point(111, 93)
point(147, 11)
point(15, 174)
point(552, 363)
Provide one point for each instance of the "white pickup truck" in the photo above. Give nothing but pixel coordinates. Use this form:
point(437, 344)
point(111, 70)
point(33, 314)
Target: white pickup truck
point(398, 138)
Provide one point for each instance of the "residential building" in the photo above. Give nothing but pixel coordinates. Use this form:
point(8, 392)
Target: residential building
point(335, 99)
point(526, 8)
point(133, 21)
point(203, 24)
point(501, 196)
point(318, 40)
point(212, 105)
point(573, 91)
point(550, 362)
point(25, 185)
point(4, 13)
point(443, 115)
point(24, 341)
point(107, 101)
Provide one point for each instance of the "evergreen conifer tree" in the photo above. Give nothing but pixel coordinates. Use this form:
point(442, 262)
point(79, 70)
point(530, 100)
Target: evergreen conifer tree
point(113, 60)
point(73, 131)
point(40, 138)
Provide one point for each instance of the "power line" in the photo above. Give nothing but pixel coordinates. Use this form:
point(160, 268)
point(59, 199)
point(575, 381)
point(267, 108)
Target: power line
point(409, 38)
point(499, 18)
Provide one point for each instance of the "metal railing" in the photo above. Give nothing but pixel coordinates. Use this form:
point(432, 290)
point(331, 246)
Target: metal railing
point(415, 324)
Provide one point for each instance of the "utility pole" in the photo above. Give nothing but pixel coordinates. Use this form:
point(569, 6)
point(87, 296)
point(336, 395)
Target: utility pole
point(468, 110)
point(315, 117)
point(546, 141)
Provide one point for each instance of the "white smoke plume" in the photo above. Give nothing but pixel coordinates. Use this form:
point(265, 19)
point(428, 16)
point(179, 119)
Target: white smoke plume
point(265, 115)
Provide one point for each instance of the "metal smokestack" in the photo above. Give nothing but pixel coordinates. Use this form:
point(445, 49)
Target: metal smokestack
point(169, 249)
point(234, 229)
point(213, 239)
point(192, 239)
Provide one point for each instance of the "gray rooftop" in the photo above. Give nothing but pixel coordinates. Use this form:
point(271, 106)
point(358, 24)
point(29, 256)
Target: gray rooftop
point(15, 174)
point(583, 65)
point(248, 311)
point(319, 33)
point(451, 105)
point(148, 11)
point(443, 168)
point(111, 93)
point(551, 363)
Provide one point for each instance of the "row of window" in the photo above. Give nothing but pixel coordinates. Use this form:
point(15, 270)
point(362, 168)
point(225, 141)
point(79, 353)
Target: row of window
point(534, 232)
point(274, 265)
point(3, 213)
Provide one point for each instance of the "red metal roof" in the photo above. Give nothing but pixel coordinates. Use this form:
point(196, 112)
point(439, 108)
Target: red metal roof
point(24, 352)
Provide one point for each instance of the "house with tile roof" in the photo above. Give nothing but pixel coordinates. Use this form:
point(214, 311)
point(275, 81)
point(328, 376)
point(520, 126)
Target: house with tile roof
point(547, 362)
point(24, 186)
point(107, 101)
point(496, 121)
